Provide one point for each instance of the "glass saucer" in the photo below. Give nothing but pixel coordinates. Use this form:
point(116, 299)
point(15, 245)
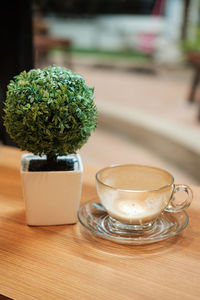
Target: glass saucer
point(93, 217)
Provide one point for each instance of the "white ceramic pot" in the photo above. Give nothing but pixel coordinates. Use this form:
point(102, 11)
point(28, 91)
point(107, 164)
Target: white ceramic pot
point(51, 198)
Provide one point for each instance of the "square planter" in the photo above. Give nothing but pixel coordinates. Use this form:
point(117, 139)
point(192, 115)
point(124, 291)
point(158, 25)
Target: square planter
point(53, 197)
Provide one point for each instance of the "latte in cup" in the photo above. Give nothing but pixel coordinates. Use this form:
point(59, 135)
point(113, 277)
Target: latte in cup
point(137, 208)
point(134, 194)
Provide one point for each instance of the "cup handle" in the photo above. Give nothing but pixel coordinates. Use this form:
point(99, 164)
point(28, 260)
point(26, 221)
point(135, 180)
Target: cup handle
point(176, 207)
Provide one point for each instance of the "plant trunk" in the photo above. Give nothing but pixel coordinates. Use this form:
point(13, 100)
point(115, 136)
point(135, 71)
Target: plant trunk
point(51, 159)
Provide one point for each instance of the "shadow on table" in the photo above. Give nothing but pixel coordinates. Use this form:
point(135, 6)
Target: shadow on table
point(92, 245)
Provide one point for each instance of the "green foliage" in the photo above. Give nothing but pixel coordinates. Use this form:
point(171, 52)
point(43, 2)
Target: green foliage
point(50, 111)
point(193, 45)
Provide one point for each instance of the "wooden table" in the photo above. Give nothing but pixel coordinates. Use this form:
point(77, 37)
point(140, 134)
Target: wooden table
point(66, 262)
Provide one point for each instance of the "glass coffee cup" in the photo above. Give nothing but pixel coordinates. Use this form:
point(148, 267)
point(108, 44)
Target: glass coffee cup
point(134, 196)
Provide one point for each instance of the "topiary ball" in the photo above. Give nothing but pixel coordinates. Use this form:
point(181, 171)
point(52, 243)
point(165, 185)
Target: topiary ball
point(50, 111)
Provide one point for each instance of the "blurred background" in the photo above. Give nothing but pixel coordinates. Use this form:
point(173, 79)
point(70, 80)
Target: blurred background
point(142, 57)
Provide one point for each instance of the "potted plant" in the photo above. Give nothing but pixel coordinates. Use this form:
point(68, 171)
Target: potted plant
point(51, 113)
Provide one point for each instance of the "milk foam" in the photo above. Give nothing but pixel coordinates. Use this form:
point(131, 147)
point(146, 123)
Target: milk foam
point(134, 208)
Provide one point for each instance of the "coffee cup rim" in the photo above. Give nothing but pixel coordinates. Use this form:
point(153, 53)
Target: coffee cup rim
point(132, 190)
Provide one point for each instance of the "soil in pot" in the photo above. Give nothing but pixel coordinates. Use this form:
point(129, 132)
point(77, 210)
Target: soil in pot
point(60, 164)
